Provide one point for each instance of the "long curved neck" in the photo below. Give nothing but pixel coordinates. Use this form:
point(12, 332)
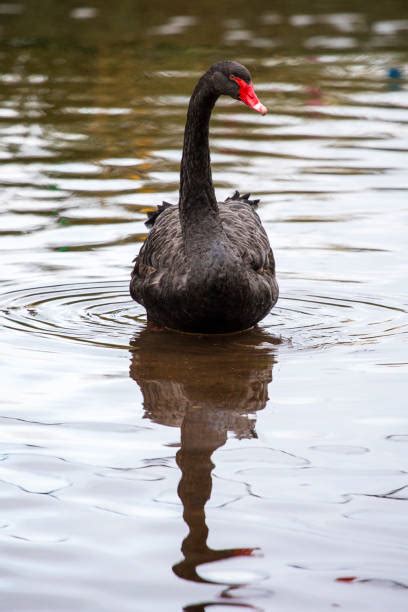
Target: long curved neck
point(198, 206)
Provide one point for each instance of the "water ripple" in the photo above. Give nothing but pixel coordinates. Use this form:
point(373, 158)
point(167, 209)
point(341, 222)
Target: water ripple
point(102, 313)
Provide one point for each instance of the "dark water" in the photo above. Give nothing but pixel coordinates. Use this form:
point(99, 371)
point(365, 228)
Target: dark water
point(140, 471)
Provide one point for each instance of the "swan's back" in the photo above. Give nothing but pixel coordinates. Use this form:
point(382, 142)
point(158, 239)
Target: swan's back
point(160, 278)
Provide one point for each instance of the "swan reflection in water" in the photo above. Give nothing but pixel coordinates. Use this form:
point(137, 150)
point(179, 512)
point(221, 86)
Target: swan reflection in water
point(208, 386)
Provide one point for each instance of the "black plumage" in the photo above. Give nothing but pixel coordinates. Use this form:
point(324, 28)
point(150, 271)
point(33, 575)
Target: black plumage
point(206, 267)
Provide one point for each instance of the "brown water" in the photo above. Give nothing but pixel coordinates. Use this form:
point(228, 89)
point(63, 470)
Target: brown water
point(266, 471)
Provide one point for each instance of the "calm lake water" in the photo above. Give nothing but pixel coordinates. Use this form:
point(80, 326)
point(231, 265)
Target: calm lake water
point(154, 471)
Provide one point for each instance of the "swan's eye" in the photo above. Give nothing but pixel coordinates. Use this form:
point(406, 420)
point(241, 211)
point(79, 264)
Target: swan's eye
point(248, 96)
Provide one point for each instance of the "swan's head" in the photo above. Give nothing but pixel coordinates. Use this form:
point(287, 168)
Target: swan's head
point(233, 79)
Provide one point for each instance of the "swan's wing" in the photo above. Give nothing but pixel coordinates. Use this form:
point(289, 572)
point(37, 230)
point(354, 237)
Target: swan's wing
point(162, 251)
point(245, 231)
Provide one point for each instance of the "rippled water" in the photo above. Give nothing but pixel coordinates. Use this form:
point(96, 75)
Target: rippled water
point(156, 471)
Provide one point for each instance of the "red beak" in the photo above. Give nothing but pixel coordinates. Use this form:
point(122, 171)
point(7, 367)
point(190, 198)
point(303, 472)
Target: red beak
point(248, 96)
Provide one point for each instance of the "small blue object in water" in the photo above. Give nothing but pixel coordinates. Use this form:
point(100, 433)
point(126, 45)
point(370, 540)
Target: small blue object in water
point(394, 73)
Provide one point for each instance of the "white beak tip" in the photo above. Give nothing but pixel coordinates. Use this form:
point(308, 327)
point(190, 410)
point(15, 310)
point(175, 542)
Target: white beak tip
point(260, 108)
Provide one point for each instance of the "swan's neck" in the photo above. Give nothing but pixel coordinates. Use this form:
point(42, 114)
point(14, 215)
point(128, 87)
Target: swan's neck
point(198, 206)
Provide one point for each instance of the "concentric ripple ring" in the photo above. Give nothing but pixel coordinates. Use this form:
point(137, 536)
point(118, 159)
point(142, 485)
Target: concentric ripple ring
point(101, 313)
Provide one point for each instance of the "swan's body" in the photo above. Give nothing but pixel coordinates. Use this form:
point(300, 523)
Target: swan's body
point(207, 267)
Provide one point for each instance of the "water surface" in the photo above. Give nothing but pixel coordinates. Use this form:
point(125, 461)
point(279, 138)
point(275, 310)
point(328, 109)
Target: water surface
point(143, 471)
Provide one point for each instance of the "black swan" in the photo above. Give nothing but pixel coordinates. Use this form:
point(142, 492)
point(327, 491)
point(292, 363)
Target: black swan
point(207, 267)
